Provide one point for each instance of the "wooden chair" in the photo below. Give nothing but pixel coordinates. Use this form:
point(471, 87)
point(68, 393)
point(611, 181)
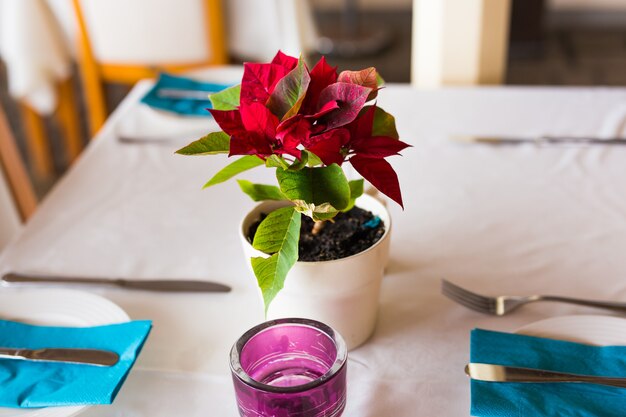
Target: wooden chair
point(37, 139)
point(35, 65)
point(17, 197)
point(97, 69)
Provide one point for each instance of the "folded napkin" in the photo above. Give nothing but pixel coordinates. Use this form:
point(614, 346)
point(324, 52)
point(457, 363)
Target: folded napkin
point(184, 106)
point(496, 399)
point(39, 384)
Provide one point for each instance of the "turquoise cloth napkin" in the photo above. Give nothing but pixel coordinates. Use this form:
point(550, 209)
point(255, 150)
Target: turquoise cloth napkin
point(183, 106)
point(40, 384)
point(516, 399)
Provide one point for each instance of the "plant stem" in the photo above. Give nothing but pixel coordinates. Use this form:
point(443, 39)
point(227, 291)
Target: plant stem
point(317, 227)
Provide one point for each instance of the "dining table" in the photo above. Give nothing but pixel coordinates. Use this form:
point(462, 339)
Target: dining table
point(496, 219)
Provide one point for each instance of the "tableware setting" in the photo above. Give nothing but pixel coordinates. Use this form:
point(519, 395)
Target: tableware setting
point(551, 367)
point(505, 304)
point(558, 366)
point(43, 383)
point(172, 99)
point(564, 365)
point(23, 312)
point(182, 95)
point(383, 304)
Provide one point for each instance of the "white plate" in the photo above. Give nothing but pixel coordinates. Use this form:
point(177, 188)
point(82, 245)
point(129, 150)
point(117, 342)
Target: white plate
point(592, 330)
point(56, 308)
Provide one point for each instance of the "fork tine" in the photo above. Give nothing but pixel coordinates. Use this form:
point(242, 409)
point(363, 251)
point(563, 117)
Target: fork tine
point(467, 302)
point(466, 293)
point(480, 309)
point(467, 298)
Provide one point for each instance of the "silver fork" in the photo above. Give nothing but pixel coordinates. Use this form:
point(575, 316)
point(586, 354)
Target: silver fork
point(504, 304)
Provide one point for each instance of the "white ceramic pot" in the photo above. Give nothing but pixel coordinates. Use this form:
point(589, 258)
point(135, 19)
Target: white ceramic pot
point(342, 293)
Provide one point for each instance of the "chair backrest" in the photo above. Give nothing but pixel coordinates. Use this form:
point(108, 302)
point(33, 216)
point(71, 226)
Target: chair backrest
point(9, 218)
point(17, 198)
point(124, 41)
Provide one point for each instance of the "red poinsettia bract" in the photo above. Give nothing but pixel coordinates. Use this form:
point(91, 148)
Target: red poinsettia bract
point(284, 109)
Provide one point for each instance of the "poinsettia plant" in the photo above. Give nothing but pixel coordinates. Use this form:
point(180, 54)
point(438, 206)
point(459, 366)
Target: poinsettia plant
point(305, 124)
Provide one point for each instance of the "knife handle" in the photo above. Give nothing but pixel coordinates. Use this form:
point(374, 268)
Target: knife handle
point(580, 140)
point(13, 277)
point(536, 375)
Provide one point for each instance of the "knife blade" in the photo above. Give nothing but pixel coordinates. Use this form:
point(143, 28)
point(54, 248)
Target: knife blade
point(539, 140)
point(170, 139)
point(163, 285)
point(202, 95)
point(80, 356)
point(499, 373)
point(154, 140)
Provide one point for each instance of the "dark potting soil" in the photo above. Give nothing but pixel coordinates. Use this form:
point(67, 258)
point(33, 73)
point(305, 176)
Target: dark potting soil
point(350, 233)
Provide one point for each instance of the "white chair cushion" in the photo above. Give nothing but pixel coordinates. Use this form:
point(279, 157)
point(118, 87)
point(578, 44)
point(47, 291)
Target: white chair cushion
point(147, 31)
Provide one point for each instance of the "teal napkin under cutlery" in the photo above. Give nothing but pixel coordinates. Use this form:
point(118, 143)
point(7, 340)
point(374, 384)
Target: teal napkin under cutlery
point(507, 399)
point(188, 106)
point(28, 384)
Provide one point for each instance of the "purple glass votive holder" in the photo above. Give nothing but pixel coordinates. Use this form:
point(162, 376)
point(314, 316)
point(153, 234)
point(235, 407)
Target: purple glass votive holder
point(290, 368)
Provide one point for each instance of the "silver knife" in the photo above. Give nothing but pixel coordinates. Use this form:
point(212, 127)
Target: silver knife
point(81, 356)
point(175, 139)
point(158, 140)
point(539, 140)
point(499, 373)
point(201, 95)
point(166, 285)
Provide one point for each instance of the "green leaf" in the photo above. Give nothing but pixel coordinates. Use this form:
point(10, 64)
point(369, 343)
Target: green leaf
point(321, 212)
point(279, 233)
point(227, 99)
point(384, 124)
point(314, 160)
point(213, 143)
point(260, 192)
point(287, 97)
point(273, 230)
point(240, 165)
point(317, 185)
point(275, 161)
point(298, 164)
point(356, 190)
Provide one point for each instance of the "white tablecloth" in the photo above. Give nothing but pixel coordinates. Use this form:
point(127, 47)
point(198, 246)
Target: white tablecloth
point(508, 219)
